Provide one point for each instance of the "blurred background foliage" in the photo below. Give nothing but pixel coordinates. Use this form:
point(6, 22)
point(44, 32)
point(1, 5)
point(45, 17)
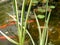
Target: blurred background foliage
point(6, 6)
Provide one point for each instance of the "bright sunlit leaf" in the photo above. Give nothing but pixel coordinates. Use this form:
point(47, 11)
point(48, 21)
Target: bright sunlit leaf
point(52, 7)
point(41, 16)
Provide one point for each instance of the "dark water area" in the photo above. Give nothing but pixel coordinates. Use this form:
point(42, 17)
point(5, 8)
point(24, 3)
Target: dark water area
point(54, 27)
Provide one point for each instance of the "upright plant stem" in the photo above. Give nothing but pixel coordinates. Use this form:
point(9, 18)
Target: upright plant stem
point(39, 29)
point(17, 21)
point(21, 33)
point(45, 30)
point(24, 28)
point(46, 38)
point(22, 14)
point(46, 9)
point(26, 24)
point(44, 33)
point(16, 13)
point(27, 18)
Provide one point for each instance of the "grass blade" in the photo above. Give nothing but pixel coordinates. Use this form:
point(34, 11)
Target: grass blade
point(8, 38)
point(39, 29)
point(24, 28)
point(17, 20)
point(27, 19)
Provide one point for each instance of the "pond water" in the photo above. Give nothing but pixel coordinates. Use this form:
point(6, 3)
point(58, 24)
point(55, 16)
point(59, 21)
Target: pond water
point(53, 30)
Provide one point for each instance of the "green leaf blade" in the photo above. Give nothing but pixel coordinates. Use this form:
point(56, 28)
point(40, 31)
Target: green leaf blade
point(40, 16)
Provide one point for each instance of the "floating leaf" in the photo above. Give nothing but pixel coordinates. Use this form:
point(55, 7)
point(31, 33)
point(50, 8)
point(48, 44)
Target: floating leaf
point(41, 16)
point(52, 7)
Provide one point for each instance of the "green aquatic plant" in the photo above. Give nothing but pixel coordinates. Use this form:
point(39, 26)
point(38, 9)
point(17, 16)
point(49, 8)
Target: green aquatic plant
point(41, 16)
point(43, 35)
point(21, 30)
